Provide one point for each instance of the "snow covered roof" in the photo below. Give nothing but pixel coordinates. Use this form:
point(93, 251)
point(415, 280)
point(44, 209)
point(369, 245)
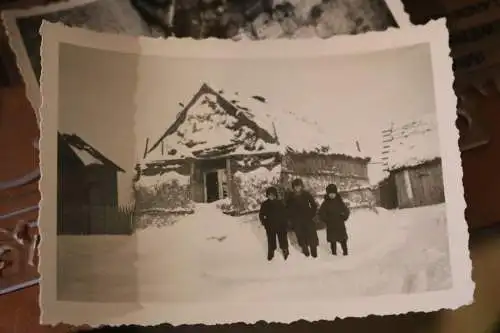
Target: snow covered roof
point(216, 121)
point(410, 143)
point(212, 123)
point(87, 154)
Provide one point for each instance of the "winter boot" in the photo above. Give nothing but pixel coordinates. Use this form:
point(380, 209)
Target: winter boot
point(333, 247)
point(345, 251)
point(314, 251)
point(285, 254)
point(305, 251)
point(270, 255)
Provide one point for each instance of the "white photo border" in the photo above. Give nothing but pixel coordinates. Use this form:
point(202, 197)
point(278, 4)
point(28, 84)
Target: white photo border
point(434, 34)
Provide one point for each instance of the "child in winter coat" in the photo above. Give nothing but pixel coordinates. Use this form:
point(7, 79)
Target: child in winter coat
point(272, 215)
point(334, 213)
point(301, 208)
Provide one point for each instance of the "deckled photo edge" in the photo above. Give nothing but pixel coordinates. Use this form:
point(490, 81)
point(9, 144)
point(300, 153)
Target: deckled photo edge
point(446, 99)
point(22, 60)
point(457, 235)
point(368, 42)
point(48, 120)
point(8, 19)
point(53, 311)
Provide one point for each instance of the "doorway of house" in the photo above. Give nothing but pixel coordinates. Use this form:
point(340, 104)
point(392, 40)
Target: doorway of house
point(215, 185)
point(211, 186)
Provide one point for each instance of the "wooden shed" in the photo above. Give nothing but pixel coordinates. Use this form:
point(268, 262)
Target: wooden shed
point(411, 155)
point(230, 148)
point(87, 190)
point(317, 170)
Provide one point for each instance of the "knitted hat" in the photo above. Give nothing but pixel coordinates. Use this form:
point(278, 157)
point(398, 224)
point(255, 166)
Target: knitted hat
point(332, 188)
point(297, 182)
point(271, 190)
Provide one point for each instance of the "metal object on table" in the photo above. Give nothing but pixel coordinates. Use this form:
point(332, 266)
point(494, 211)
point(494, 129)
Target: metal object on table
point(18, 256)
point(472, 134)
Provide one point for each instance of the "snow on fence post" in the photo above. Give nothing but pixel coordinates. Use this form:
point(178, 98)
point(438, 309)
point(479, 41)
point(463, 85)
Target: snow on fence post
point(192, 174)
point(229, 176)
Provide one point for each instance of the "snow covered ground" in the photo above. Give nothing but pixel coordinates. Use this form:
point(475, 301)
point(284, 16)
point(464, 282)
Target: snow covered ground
point(210, 256)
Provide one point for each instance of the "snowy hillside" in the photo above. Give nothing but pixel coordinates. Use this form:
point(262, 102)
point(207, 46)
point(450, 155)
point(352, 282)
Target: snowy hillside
point(411, 142)
point(229, 123)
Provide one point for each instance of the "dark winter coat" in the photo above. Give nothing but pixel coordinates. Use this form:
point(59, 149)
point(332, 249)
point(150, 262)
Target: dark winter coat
point(334, 213)
point(301, 210)
point(272, 215)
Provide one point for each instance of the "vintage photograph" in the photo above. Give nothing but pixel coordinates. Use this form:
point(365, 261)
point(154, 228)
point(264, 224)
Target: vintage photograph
point(204, 184)
point(231, 19)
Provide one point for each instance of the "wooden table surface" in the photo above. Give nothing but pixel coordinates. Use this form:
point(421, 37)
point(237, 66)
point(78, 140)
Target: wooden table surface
point(19, 312)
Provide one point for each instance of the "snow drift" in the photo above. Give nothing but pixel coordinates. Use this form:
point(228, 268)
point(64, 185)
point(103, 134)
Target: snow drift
point(209, 255)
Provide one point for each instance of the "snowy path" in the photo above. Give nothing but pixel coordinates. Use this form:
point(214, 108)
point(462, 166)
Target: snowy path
point(209, 256)
point(215, 256)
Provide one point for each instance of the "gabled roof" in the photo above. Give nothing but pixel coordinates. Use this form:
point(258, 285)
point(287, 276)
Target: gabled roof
point(211, 122)
point(410, 143)
point(234, 124)
point(87, 154)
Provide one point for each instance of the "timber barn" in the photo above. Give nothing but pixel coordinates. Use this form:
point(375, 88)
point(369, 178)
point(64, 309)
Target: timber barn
point(87, 189)
point(411, 156)
point(229, 148)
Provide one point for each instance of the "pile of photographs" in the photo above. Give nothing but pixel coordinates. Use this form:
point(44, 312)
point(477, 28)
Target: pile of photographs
point(263, 19)
point(198, 19)
point(315, 126)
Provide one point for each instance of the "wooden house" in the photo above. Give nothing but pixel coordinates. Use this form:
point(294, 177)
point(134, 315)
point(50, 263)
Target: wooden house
point(87, 189)
point(411, 155)
point(228, 147)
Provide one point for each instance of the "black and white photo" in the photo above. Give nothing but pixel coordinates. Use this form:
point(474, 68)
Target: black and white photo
point(226, 19)
point(209, 182)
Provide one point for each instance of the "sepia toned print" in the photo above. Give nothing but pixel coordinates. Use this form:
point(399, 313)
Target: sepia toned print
point(241, 184)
